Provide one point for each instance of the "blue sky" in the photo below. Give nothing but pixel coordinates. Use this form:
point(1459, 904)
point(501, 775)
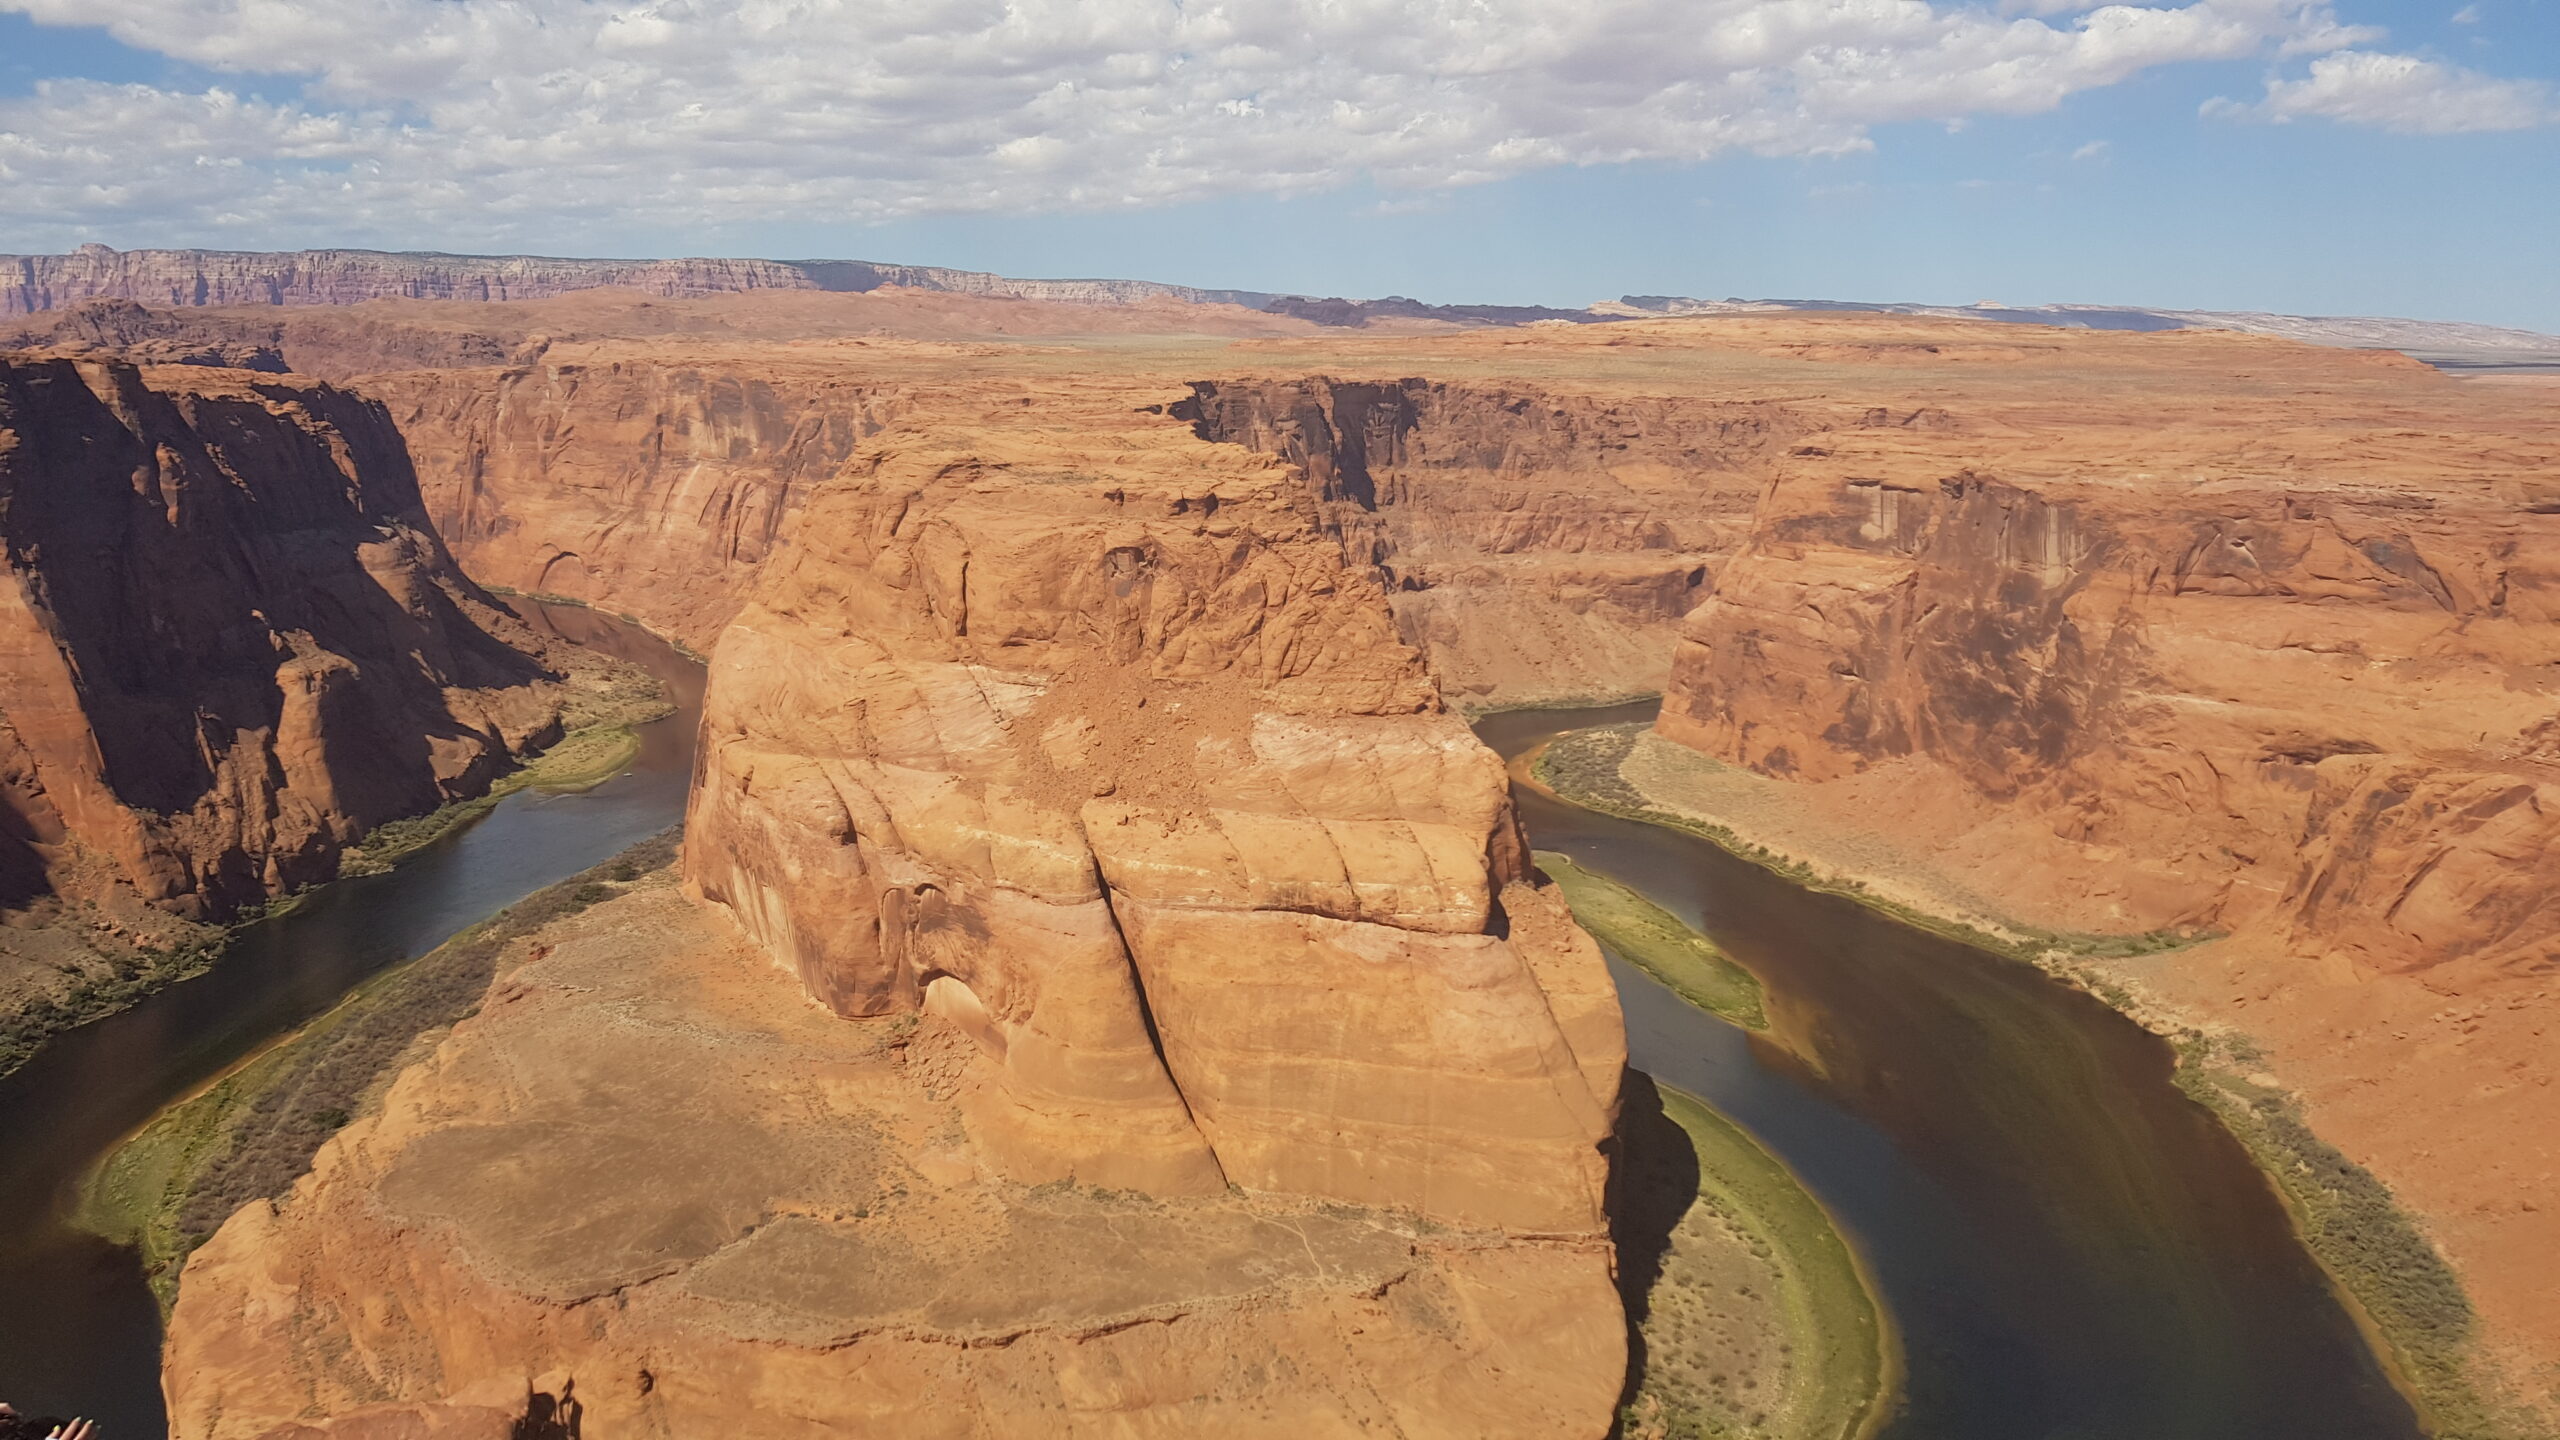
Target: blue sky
point(2230, 154)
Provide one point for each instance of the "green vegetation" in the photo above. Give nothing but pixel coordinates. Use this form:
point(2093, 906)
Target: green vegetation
point(583, 759)
point(1653, 940)
point(253, 1132)
point(94, 995)
point(1754, 1317)
point(1582, 766)
point(2401, 1287)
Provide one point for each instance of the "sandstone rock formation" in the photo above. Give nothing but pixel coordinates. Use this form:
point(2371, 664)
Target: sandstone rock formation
point(645, 486)
point(2179, 638)
point(653, 1189)
point(1101, 751)
point(2125, 631)
point(1540, 546)
point(1195, 1051)
point(229, 642)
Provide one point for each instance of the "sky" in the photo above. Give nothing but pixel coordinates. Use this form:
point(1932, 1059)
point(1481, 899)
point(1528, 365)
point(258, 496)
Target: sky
point(2379, 157)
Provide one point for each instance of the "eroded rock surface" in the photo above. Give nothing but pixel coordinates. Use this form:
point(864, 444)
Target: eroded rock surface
point(229, 642)
point(648, 1178)
point(1104, 753)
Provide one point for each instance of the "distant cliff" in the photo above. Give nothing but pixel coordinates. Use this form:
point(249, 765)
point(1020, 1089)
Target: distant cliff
point(31, 283)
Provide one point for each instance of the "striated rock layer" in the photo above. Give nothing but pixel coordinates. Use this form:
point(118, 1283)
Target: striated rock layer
point(650, 487)
point(230, 644)
point(31, 283)
point(2194, 634)
point(1194, 1050)
point(649, 1190)
point(1071, 748)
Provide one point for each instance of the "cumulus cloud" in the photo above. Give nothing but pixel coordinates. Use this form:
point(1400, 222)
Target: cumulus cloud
point(2402, 93)
point(491, 119)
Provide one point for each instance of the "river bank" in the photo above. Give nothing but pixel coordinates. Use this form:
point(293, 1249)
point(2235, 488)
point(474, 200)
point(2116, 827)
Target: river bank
point(1747, 1310)
point(2389, 1275)
point(96, 958)
point(251, 1132)
point(90, 1088)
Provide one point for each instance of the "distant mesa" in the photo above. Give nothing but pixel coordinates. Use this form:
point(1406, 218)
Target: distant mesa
point(30, 284)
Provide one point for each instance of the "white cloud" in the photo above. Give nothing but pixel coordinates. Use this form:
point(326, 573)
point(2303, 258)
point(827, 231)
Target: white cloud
point(2094, 150)
point(493, 121)
point(2403, 93)
point(2467, 15)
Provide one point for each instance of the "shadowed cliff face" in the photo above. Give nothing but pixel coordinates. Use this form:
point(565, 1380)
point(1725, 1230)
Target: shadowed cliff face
point(1538, 544)
point(230, 642)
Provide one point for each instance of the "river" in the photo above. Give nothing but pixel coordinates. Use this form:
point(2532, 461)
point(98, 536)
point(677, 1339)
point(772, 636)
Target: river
point(2071, 1248)
point(79, 1331)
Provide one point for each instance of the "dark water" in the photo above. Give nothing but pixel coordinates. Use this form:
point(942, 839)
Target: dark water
point(79, 1332)
point(2069, 1246)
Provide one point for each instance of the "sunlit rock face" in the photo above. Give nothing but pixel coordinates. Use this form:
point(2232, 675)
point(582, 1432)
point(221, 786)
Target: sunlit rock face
point(1099, 748)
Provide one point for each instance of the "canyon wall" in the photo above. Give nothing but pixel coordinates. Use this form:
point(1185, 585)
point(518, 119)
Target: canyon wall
point(2260, 648)
point(230, 643)
point(1194, 1050)
point(2239, 709)
point(1101, 749)
point(642, 485)
point(1539, 545)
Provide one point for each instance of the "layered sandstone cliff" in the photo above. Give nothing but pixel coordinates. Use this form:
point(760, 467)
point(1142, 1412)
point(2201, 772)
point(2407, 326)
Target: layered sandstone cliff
point(643, 484)
point(2196, 636)
point(1194, 1052)
point(229, 642)
point(1540, 544)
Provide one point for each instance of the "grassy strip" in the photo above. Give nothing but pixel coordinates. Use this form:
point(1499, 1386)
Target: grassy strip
point(580, 760)
point(545, 597)
point(2394, 1278)
point(2404, 1292)
point(94, 997)
point(1653, 940)
point(253, 1132)
point(1582, 766)
point(1836, 1363)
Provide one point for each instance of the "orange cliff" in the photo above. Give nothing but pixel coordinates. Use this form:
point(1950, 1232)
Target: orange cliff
point(2201, 633)
point(230, 644)
point(1193, 1049)
point(2123, 631)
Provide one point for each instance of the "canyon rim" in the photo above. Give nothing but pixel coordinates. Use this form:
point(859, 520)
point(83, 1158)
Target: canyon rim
point(1105, 988)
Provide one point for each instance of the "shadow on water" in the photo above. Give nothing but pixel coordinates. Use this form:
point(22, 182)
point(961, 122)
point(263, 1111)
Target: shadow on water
point(79, 1330)
point(2072, 1249)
